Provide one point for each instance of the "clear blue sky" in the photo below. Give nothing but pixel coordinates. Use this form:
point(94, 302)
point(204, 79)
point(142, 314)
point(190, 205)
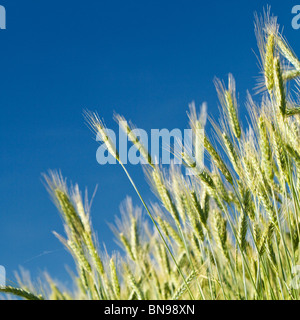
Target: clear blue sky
point(144, 59)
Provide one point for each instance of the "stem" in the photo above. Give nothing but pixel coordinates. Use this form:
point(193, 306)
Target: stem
point(157, 228)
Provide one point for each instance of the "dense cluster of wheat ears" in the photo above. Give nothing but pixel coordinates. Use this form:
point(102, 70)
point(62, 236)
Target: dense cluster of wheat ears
point(229, 232)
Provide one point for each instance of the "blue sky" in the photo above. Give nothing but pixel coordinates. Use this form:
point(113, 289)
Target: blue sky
point(144, 59)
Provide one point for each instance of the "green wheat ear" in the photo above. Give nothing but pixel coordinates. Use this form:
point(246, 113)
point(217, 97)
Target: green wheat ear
point(269, 58)
point(115, 279)
point(20, 293)
point(287, 52)
point(279, 87)
point(265, 149)
point(221, 232)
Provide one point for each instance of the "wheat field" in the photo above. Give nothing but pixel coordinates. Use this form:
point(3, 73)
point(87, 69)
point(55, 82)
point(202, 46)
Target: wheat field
point(228, 232)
